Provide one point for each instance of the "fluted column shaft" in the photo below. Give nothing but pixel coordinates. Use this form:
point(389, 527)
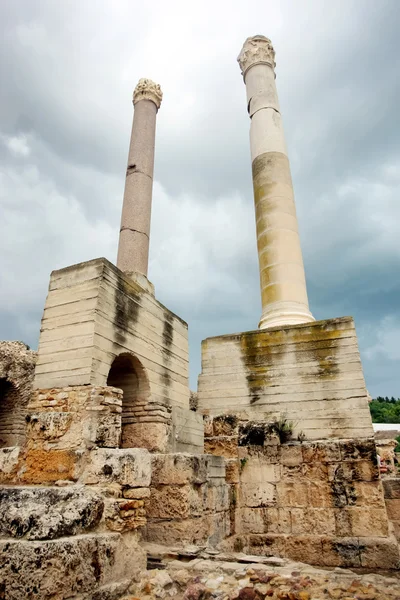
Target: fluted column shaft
point(282, 278)
point(134, 238)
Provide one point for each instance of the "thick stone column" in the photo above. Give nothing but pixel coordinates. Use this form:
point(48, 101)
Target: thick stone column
point(282, 279)
point(134, 237)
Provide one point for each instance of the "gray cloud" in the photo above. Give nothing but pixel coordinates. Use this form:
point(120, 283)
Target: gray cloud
point(68, 70)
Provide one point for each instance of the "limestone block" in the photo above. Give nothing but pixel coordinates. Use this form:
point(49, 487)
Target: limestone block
point(185, 531)
point(267, 544)
point(304, 548)
point(232, 470)
point(257, 469)
point(393, 509)
point(360, 470)
point(291, 456)
point(368, 493)
point(253, 520)
point(180, 469)
point(340, 552)
point(218, 527)
point(48, 513)
point(321, 452)
point(358, 449)
point(174, 502)
point(216, 497)
point(319, 521)
point(257, 494)
point(216, 468)
point(68, 567)
point(311, 471)
point(50, 426)
point(279, 520)
point(9, 458)
point(155, 437)
point(136, 493)
point(320, 494)
point(129, 467)
point(47, 466)
point(391, 488)
point(221, 446)
point(187, 433)
point(292, 494)
point(379, 553)
point(104, 430)
point(361, 521)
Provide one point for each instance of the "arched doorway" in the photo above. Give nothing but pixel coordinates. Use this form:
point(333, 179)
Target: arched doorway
point(128, 374)
point(12, 424)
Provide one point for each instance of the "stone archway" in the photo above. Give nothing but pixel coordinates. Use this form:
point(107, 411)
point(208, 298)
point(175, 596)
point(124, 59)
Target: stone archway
point(128, 374)
point(12, 424)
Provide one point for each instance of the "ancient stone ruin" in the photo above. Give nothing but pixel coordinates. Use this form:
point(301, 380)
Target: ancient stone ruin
point(118, 482)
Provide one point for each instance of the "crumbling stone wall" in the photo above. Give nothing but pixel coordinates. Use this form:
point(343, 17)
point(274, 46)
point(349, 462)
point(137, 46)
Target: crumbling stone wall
point(318, 502)
point(17, 365)
point(74, 502)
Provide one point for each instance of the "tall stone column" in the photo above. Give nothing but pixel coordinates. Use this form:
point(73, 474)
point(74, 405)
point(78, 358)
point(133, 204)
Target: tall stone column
point(134, 237)
point(282, 278)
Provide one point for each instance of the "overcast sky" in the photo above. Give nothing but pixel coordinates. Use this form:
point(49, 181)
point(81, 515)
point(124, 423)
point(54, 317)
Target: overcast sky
point(67, 72)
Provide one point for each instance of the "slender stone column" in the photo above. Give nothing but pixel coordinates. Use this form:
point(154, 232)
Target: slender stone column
point(134, 237)
point(282, 279)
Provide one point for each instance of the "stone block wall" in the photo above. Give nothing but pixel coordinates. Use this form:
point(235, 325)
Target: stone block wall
point(311, 373)
point(189, 500)
point(391, 488)
point(319, 502)
point(17, 364)
point(74, 503)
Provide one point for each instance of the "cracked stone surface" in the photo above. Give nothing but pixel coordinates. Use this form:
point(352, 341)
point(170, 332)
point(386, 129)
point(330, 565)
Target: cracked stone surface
point(48, 513)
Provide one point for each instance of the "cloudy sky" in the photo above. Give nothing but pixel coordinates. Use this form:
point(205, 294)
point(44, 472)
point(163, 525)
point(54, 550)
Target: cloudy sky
point(67, 71)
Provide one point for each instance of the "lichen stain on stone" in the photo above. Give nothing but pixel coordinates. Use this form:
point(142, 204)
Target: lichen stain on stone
point(42, 466)
point(251, 355)
point(168, 338)
point(127, 306)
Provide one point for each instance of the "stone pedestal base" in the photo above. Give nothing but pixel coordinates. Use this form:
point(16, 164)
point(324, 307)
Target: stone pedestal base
point(311, 374)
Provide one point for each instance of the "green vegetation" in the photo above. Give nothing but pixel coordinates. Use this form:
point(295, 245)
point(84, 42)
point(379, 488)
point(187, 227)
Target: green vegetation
point(282, 428)
point(385, 410)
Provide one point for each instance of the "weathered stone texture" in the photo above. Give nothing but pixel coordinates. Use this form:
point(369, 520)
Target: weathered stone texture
point(74, 418)
point(70, 567)
point(17, 365)
point(304, 500)
point(126, 467)
point(189, 499)
point(312, 373)
point(41, 513)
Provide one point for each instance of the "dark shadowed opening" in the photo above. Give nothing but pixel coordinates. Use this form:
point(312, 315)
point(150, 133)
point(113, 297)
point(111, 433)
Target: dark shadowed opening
point(12, 425)
point(128, 374)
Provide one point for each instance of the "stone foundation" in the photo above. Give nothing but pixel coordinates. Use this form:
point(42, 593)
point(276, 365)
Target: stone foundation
point(189, 500)
point(310, 373)
point(319, 502)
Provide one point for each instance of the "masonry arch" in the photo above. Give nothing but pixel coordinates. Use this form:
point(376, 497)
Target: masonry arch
point(12, 424)
point(128, 374)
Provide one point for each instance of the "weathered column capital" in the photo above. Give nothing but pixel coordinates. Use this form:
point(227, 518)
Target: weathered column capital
point(146, 89)
point(256, 50)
